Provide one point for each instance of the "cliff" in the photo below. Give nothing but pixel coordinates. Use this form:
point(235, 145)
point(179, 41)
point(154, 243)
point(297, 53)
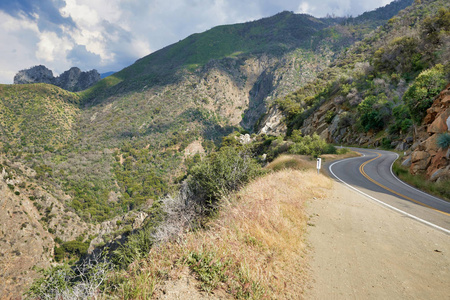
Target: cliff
point(73, 80)
point(427, 157)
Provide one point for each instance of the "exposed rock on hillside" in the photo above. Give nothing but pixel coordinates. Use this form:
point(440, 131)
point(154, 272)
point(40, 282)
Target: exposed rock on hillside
point(32, 218)
point(36, 74)
point(73, 80)
point(427, 157)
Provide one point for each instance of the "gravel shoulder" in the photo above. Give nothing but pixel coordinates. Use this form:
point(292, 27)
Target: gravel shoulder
point(359, 249)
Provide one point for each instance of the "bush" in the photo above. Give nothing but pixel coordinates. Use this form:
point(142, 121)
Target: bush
point(402, 120)
point(139, 243)
point(400, 55)
point(421, 93)
point(220, 173)
point(79, 282)
point(373, 110)
point(310, 145)
point(443, 140)
point(386, 143)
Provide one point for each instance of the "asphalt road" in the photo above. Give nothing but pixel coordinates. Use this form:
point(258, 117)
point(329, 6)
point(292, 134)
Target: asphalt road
point(372, 176)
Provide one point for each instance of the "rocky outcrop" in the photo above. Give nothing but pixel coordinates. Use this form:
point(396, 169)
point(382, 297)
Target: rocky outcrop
point(427, 158)
point(31, 219)
point(73, 80)
point(272, 122)
point(36, 74)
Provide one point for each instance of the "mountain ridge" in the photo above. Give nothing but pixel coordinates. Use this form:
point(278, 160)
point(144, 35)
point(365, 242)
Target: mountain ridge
point(130, 136)
point(72, 80)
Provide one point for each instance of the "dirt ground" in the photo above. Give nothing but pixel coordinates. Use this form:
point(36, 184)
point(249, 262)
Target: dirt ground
point(359, 249)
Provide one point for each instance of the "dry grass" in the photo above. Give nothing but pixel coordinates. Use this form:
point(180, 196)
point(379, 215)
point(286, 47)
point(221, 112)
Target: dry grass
point(253, 249)
point(296, 162)
point(304, 162)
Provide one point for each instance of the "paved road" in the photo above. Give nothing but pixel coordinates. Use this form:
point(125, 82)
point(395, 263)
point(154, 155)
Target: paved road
point(372, 175)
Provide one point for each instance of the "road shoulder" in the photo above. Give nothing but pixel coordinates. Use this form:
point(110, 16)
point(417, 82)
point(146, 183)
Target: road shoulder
point(359, 249)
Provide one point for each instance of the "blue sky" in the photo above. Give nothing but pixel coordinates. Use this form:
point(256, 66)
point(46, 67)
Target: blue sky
point(109, 35)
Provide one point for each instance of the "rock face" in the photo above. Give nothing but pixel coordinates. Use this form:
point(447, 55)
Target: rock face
point(35, 74)
point(73, 80)
point(427, 158)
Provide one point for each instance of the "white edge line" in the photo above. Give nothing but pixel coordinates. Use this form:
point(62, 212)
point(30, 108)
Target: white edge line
point(385, 204)
point(417, 190)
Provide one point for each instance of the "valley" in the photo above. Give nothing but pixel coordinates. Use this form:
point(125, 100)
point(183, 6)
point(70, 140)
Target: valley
point(152, 152)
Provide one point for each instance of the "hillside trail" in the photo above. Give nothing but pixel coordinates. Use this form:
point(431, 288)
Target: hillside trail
point(359, 249)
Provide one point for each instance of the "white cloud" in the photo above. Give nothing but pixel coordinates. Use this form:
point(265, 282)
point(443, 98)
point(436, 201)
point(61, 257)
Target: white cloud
point(18, 37)
point(305, 8)
point(51, 47)
point(111, 34)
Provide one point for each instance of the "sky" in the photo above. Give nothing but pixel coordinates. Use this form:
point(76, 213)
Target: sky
point(109, 35)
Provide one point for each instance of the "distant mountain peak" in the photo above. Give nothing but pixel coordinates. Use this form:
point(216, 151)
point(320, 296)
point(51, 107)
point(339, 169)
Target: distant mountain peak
point(73, 80)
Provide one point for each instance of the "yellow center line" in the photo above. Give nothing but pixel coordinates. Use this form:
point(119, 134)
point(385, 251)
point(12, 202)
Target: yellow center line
point(361, 170)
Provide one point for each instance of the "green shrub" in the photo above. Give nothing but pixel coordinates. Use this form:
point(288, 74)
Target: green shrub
point(82, 281)
point(329, 116)
point(220, 173)
point(54, 280)
point(386, 143)
point(402, 120)
point(76, 248)
point(342, 151)
point(310, 145)
point(399, 55)
point(210, 270)
point(373, 110)
point(139, 243)
point(421, 93)
point(443, 140)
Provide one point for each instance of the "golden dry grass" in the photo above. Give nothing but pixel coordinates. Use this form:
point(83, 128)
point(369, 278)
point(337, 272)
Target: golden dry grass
point(291, 161)
point(253, 249)
point(303, 162)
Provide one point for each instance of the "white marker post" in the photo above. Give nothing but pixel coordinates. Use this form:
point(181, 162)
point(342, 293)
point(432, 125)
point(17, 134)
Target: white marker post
point(319, 164)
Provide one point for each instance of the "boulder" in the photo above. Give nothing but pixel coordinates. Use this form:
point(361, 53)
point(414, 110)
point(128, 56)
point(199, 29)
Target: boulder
point(418, 167)
point(394, 144)
point(437, 174)
point(439, 125)
point(324, 134)
point(417, 156)
point(437, 161)
point(409, 140)
point(430, 145)
point(407, 162)
point(402, 146)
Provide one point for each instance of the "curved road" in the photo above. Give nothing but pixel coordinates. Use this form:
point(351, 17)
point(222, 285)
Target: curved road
point(371, 175)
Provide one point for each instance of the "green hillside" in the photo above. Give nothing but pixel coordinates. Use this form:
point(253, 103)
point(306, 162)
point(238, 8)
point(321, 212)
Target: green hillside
point(371, 85)
point(126, 141)
point(270, 36)
point(136, 136)
point(35, 117)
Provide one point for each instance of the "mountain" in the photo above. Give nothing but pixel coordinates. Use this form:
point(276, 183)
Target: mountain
point(73, 80)
point(369, 95)
point(120, 145)
point(106, 74)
